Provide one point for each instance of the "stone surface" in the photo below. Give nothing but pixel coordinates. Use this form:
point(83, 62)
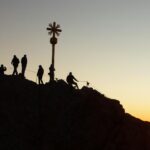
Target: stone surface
point(54, 116)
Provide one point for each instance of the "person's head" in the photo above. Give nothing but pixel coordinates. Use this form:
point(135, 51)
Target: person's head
point(70, 73)
point(40, 66)
point(2, 65)
point(25, 55)
point(14, 55)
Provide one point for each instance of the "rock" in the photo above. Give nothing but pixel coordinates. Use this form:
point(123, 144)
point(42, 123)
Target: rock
point(53, 116)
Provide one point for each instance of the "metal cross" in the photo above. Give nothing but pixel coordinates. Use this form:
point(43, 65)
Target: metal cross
point(54, 30)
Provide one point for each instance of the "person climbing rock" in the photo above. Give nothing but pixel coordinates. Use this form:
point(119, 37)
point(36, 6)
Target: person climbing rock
point(71, 80)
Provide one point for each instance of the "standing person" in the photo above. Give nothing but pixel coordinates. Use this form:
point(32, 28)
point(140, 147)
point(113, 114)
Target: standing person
point(23, 64)
point(15, 63)
point(2, 70)
point(40, 74)
point(71, 80)
point(51, 73)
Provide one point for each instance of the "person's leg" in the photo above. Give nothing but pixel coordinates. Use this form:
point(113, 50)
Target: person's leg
point(16, 70)
point(23, 70)
point(13, 71)
point(70, 84)
point(76, 85)
point(41, 81)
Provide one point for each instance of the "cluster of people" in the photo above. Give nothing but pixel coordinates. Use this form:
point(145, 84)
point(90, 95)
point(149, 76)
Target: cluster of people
point(15, 62)
point(71, 80)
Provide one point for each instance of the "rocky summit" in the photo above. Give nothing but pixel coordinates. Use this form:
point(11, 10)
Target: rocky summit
point(56, 117)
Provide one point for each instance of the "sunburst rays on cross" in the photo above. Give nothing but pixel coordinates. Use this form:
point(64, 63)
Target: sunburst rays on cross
point(54, 29)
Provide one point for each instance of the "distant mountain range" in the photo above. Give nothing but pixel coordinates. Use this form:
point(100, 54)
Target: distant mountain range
point(57, 117)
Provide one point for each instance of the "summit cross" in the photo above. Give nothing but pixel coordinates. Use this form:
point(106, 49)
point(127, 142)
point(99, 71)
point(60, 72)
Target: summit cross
point(54, 30)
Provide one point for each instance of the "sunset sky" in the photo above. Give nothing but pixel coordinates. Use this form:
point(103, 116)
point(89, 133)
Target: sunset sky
point(105, 42)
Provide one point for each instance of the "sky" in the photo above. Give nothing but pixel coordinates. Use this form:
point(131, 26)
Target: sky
point(105, 42)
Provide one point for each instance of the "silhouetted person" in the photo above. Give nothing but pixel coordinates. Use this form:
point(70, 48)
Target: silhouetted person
point(23, 64)
point(40, 74)
point(2, 70)
point(71, 80)
point(51, 73)
point(15, 62)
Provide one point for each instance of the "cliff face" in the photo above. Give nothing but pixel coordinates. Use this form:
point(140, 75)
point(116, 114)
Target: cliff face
point(54, 117)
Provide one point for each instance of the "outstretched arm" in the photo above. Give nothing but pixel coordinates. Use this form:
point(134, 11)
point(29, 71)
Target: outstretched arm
point(75, 79)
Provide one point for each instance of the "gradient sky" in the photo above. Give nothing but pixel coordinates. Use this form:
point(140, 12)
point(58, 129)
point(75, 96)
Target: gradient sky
point(105, 42)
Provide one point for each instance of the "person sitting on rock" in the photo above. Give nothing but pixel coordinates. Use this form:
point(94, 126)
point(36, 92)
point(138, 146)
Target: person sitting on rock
point(2, 70)
point(15, 62)
point(40, 74)
point(71, 80)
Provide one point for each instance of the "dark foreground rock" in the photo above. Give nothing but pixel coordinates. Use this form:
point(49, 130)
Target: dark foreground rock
point(54, 117)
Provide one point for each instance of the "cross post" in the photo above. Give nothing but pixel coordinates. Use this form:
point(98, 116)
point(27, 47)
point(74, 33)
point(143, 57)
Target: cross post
point(54, 30)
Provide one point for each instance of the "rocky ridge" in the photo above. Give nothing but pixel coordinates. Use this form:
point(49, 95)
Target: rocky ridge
point(55, 116)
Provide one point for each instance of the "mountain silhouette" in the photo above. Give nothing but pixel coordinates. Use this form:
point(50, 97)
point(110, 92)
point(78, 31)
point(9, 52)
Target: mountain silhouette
point(54, 116)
